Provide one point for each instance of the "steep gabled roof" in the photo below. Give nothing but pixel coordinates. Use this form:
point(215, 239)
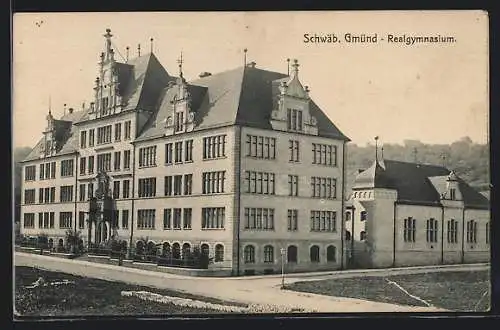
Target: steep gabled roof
point(416, 183)
point(70, 138)
point(242, 96)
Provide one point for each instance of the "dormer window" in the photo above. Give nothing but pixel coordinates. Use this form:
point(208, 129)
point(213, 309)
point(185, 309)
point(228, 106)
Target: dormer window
point(452, 194)
point(294, 120)
point(179, 121)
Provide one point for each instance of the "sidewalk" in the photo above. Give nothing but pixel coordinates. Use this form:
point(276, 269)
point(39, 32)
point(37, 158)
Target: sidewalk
point(264, 290)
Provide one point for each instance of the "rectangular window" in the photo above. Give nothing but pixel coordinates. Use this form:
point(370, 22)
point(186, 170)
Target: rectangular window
point(323, 187)
point(188, 157)
point(118, 132)
point(66, 194)
point(259, 183)
point(83, 165)
point(213, 217)
point(91, 164)
point(188, 213)
point(323, 221)
point(261, 147)
point(188, 184)
point(91, 190)
point(104, 162)
point(471, 231)
point(409, 229)
point(167, 219)
point(29, 220)
point(177, 218)
point(126, 189)
point(65, 219)
point(259, 218)
point(83, 139)
point(124, 219)
point(82, 193)
point(293, 185)
point(178, 152)
point(146, 219)
point(168, 185)
point(324, 154)
point(432, 230)
point(29, 196)
point(293, 150)
point(177, 185)
point(128, 129)
point(67, 167)
point(104, 134)
point(179, 121)
point(30, 173)
point(91, 137)
point(452, 194)
point(294, 120)
point(147, 187)
point(213, 182)
point(214, 147)
point(452, 231)
point(117, 161)
point(116, 189)
point(169, 157)
point(293, 220)
point(147, 156)
point(126, 159)
point(81, 220)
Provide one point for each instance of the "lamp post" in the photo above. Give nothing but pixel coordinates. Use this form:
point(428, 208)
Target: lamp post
point(282, 251)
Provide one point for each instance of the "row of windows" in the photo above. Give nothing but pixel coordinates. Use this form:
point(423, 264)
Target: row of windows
point(46, 220)
point(291, 254)
point(259, 183)
point(177, 185)
point(211, 218)
point(104, 134)
point(261, 147)
point(179, 152)
point(175, 250)
point(147, 156)
point(432, 229)
point(48, 194)
point(259, 218)
point(104, 162)
point(324, 187)
point(67, 167)
point(48, 170)
point(324, 221)
point(214, 147)
point(30, 173)
point(82, 219)
point(324, 154)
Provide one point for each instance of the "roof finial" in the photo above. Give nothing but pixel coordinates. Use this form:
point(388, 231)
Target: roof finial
point(245, 57)
point(64, 109)
point(376, 148)
point(139, 49)
point(50, 106)
point(128, 48)
point(108, 36)
point(295, 67)
point(180, 61)
point(151, 40)
point(288, 66)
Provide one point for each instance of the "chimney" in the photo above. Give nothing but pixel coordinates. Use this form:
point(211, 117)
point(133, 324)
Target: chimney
point(70, 110)
point(251, 64)
point(204, 74)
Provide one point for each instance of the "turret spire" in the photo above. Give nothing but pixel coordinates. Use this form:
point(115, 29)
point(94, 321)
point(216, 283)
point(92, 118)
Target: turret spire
point(108, 36)
point(180, 61)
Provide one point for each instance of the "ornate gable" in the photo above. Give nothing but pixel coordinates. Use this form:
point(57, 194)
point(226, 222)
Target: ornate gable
point(291, 106)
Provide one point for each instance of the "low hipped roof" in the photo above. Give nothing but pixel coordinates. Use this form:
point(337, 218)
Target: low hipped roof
point(417, 183)
point(242, 96)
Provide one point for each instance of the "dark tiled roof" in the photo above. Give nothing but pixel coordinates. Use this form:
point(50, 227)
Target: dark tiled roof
point(242, 96)
point(69, 138)
point(416, 183)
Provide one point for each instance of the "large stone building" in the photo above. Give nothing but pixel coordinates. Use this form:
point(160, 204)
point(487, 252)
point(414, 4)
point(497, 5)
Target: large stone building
point(408, 214)
point(242, 163)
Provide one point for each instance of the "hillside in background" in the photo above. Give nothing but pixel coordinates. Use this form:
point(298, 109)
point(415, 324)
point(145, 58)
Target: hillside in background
point(468, 159)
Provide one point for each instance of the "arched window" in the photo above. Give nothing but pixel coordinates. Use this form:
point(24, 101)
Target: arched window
point(331, 253)
point(347, 216)
point(61, 243)
point(124, 245)
point(347, 235)
point(219, 253)
point(205, 249)
point(362, 216)
point(166, 248)
point(268, 254)
point(51, 243)
point(176, 251)
point(291, 253)
point(314, 252)
point(151, 248)
point(186, 250)
point(362, 235)
point(249, 254)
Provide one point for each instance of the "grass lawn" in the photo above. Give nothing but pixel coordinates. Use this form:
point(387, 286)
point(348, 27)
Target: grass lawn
point(88, 296)
point(454, 291)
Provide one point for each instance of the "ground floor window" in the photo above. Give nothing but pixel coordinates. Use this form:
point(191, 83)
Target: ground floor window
point(268, 254)
point(292, 253)
point(331, 253)
point(314, 252)
point(249, 254)
point(219, 253)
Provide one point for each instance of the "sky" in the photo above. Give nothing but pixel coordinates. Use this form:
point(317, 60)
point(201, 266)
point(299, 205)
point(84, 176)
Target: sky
point(435, 93)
